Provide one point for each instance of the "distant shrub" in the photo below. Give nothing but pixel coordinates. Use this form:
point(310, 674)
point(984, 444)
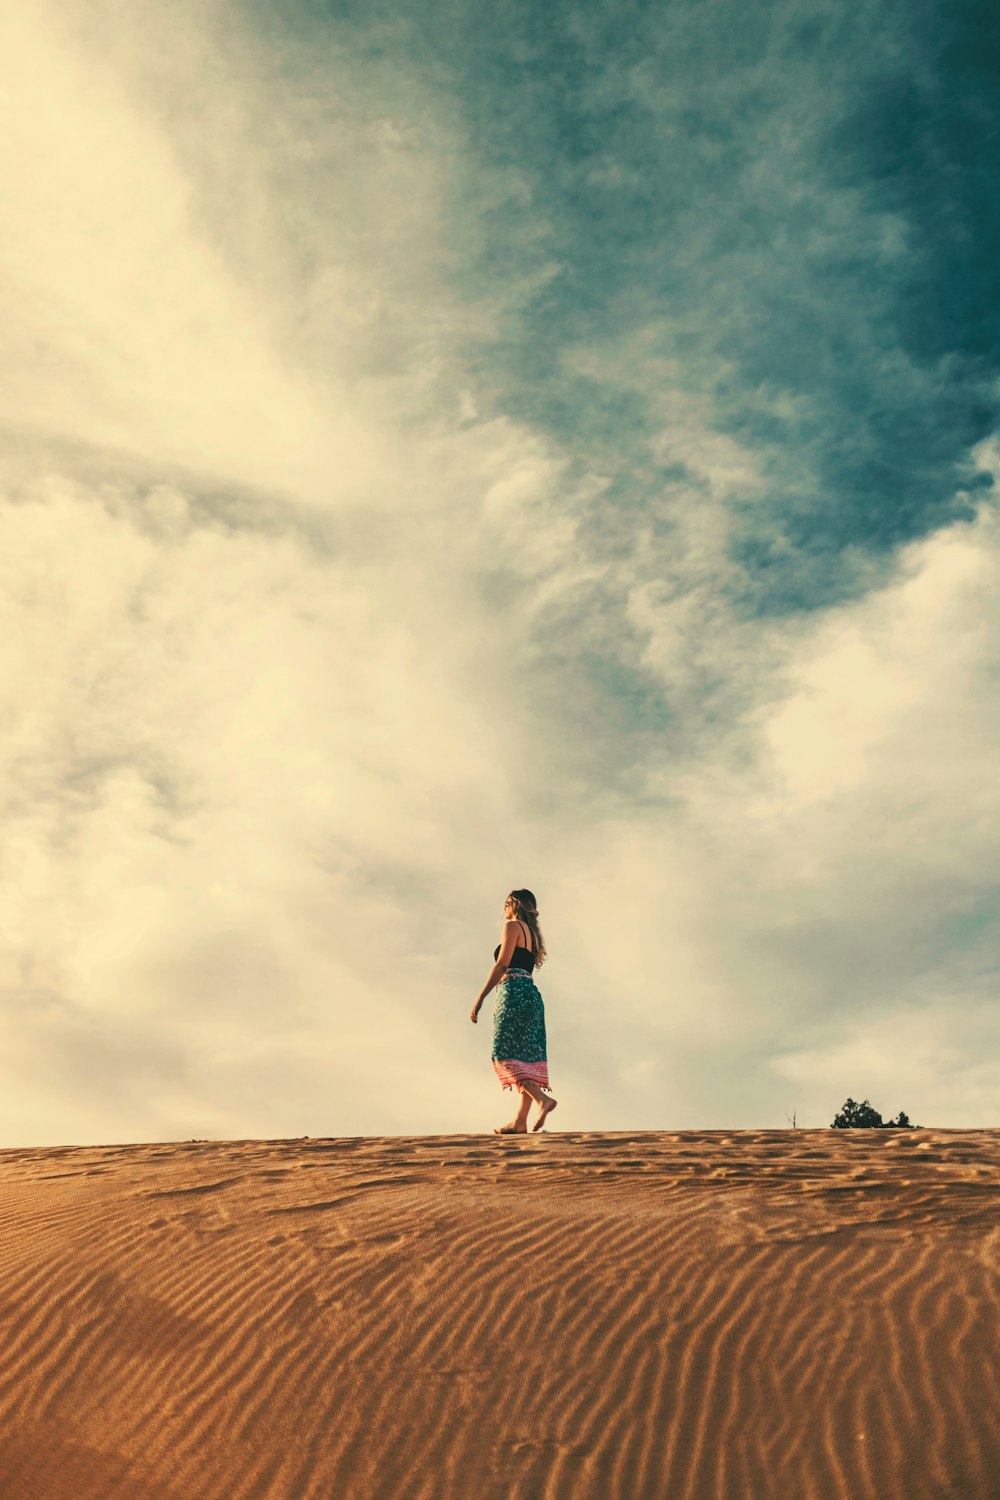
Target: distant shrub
point(863, 1115)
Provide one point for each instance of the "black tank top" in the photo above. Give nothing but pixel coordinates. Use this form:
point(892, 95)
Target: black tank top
point(523, 957)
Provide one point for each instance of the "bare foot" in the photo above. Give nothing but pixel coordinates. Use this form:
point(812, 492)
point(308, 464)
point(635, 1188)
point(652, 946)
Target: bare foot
point(545, 1108)
point(510, 1130)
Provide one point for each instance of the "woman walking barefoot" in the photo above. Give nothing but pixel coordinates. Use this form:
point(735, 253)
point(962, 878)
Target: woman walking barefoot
point(519, 1055)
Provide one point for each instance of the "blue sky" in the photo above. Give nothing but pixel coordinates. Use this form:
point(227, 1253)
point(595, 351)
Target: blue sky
point(454, 447)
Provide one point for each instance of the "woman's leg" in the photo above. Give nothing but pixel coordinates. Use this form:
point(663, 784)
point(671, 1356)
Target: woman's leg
point(520, 1120)
point(529, 1087)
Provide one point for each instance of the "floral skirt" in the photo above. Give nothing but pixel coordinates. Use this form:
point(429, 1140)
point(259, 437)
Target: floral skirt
point(519, 1032)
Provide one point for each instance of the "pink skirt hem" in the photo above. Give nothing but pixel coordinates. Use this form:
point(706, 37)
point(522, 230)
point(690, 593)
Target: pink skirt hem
point(510, 1073)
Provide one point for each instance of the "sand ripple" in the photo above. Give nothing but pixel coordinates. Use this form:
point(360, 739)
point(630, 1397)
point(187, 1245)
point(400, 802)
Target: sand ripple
point(702, 1315)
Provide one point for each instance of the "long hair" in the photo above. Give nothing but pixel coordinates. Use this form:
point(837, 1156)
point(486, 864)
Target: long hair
point(526, 909)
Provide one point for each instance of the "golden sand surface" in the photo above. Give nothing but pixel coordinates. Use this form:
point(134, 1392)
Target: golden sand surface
point(686, 1315)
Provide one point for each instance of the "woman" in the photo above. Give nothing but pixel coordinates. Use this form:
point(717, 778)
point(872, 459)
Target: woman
point(519, 1018)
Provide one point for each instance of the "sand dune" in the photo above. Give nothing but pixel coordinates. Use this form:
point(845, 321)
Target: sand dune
point(700, 1315)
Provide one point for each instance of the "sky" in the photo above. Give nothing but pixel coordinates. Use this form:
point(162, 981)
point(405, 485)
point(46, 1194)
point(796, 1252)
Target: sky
point(452, 447)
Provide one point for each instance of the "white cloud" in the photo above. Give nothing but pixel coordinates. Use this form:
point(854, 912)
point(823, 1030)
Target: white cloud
point(226, 758)
point(865, 689)
point(849, 826)
point(182, 280)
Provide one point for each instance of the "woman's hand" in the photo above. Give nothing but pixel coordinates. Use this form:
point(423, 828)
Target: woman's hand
point(474, 1012)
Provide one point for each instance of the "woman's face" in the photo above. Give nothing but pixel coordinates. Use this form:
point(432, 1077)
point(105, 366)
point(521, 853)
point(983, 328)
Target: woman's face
point(508, 909)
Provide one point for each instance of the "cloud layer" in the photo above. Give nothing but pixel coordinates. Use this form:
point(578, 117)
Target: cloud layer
point(446, 455)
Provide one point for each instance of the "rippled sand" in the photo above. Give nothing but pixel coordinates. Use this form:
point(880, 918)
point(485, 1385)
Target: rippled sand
point(700, 1315)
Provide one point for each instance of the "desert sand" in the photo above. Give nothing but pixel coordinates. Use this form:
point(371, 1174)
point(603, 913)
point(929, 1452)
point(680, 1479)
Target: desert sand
point(692, 1315)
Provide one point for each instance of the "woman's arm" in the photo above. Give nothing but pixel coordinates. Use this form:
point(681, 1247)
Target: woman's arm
point(511, 932)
